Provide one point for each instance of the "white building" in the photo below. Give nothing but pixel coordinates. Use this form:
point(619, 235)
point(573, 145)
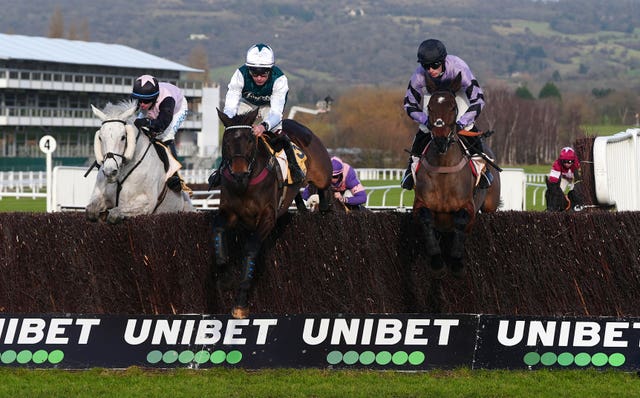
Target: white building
point(47, 86)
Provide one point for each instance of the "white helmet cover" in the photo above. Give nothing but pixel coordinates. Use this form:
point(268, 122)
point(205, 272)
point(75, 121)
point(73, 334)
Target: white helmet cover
point(260, 56)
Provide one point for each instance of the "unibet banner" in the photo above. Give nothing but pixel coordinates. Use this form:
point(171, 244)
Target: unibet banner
point(411, 342)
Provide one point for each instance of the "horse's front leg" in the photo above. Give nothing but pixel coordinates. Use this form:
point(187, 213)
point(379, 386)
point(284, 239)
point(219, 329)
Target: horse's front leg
point(131, 207)
point(220, 224)
point(425, 217)
point(461, 221)
point(251, 249)
point(100, 198)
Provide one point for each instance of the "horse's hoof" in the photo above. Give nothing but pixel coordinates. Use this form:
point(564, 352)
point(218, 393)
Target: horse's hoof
point(240, 312)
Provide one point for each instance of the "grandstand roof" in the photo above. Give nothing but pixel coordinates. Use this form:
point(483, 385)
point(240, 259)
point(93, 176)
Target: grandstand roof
point(82, 53)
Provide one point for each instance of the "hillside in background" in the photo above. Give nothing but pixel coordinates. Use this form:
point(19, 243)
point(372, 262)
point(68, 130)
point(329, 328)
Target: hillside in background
point(326, 46)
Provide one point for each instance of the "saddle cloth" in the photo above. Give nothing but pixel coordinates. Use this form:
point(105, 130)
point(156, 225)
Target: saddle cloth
point(281, 157)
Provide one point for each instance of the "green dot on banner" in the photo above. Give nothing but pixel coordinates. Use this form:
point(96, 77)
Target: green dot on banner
point(350, 357)
point(154, 356)
point(334, 357)
point(233, 357)
point(367, 358)
point(583, 359)
point(218, 357)
point(617, 359)
point(186, 356)
point(599, 359)
point(548, 358)
point(170, 356)
point(383, 357)
point(531, 358)
point(565, 359)
point(24, 356)
point(40, 356)
point(8, 356)
point(202, 356)
point(56, 356)
point(416, 358)
point(400, 358)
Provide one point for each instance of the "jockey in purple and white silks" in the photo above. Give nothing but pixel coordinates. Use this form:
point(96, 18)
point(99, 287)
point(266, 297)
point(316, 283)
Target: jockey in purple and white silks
point(442, 68)
point(162, 110)
point(345, 185)
point(260, 84)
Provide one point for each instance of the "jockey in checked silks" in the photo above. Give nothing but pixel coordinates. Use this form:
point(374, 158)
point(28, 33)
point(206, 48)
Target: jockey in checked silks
point(443, 68)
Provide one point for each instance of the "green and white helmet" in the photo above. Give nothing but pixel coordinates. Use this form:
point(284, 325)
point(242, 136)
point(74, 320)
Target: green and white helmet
point(260, 56)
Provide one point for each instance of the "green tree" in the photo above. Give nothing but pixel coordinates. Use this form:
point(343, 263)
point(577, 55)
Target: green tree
point(549, 90)
point(524, 93)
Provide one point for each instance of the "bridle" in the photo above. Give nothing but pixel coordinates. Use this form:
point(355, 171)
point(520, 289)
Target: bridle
point(250, 159)
point(111, 155)
point(439, 123)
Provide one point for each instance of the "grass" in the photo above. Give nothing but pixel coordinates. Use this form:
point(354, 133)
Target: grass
point(10, 204)
point(135, 382)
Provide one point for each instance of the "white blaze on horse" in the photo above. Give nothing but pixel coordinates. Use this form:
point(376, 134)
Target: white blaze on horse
point(132, 176)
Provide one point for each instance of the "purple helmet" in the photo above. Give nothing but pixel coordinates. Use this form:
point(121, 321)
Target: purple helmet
point(338, 166)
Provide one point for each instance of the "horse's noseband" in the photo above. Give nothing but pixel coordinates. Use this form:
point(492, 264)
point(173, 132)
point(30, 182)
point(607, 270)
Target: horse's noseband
point(439, 123)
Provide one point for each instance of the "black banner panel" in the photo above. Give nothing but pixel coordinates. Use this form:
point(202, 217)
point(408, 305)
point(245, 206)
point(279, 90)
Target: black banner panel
point(407, 342)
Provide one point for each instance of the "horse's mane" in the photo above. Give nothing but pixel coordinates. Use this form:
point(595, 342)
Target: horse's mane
point(115, 110)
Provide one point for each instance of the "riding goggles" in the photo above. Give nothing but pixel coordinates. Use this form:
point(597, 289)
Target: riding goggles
point(432, 65)
point(567, 161)
point(259, 72)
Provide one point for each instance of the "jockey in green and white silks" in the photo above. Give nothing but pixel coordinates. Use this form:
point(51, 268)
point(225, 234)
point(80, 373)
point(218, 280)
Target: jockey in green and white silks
point(244, 95)
point(260, 84)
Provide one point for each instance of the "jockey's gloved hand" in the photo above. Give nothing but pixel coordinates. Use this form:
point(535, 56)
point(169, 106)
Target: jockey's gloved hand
point(143, 124)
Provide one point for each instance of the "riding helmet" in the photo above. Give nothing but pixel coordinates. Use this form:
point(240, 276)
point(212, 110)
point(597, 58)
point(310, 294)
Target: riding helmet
point(567, 153)
point(260, 56)
point(145, 88)
point(338, 166)
point(431, 51)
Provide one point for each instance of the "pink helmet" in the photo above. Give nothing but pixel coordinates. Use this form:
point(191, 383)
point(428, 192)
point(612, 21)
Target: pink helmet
point(567, 153)
point(337, 166)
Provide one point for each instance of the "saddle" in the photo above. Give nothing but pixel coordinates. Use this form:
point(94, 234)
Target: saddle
point(278, 154)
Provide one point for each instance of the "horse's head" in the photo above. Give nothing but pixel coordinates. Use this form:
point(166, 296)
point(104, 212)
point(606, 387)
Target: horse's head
point(555, 197)
point(239, 145)
point(115, 143)
point(442, 110)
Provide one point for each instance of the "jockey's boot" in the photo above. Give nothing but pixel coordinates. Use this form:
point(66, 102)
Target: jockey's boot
point(407, 180)
point(175, 182)
point(485, 179)
point(297, 175)
point(420, 142)
point(215, 179)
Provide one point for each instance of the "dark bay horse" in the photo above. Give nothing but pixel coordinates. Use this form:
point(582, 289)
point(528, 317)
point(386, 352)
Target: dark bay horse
point(253, 196)
point(557, 200)
point(446, 198)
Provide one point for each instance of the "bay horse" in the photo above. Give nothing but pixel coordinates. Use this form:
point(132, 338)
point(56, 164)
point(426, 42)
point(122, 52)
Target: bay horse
point(132, 178)
point(253, 196)
point(557, 200)
point(446, 198)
